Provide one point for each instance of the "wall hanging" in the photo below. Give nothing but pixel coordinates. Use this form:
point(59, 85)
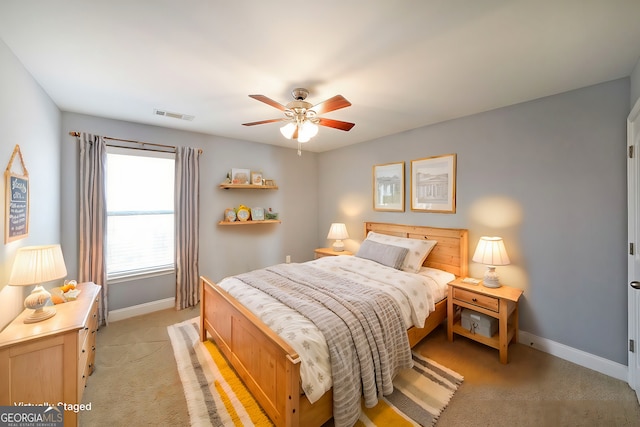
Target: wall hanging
point(16, 213)
point(433, 184)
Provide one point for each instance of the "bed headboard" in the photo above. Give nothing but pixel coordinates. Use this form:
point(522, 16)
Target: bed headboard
point(451, 252)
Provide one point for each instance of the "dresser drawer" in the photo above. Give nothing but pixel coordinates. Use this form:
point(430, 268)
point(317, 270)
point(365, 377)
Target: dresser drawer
point(484, 301)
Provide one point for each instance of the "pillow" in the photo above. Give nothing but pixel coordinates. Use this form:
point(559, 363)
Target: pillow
point(389, 255)
point(418, 249)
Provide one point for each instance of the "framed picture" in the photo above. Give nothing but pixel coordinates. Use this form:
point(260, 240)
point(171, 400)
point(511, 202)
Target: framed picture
point(257, 214)
point(256, 178)
point(269, 182)
point(388, 187)
point(433, 184)
point(240, 176)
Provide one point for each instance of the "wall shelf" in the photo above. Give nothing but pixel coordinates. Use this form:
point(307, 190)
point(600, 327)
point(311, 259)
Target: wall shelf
point(266, 221)
point(248, 186)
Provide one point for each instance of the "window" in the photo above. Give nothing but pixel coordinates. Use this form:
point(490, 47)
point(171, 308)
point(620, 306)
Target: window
point(140, 212)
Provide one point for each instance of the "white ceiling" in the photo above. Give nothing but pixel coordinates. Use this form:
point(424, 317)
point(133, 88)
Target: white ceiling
point(402, 64)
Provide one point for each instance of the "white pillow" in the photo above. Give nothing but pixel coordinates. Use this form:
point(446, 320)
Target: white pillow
point(418, 249)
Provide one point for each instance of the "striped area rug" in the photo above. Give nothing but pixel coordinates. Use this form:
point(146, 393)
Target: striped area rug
point(216, 396)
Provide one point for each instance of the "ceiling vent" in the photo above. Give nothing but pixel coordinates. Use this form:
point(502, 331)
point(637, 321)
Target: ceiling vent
point(173, 115)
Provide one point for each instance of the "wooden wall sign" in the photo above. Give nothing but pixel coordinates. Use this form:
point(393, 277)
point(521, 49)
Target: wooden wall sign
point(16, 225)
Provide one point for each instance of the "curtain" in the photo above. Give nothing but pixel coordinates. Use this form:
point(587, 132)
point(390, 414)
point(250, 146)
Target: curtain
point(93, 216)
point(187, 197)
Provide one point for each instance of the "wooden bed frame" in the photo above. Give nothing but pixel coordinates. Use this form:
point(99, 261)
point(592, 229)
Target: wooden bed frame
point(270, 367)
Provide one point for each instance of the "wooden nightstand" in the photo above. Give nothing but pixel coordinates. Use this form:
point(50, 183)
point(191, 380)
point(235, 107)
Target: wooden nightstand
point(500, 303)
point(321, 252)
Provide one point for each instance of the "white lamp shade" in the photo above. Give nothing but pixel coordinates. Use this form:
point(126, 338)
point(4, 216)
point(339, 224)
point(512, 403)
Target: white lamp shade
point(338, 231)
point(491, 251)
point(37, 264)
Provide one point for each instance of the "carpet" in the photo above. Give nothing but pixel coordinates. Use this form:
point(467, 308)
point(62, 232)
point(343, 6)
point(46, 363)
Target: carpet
point(216, 396)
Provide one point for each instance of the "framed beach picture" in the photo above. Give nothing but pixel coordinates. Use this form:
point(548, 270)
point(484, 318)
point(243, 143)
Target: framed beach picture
point(433, 184)
point(388, 187)
point(240, 176)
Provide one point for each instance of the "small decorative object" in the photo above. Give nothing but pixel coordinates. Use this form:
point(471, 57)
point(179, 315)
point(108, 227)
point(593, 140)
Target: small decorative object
point(243, 213)
point(240, 176)
point(65, 293)
point(433, 184)
point(388, 187)
point(230, 215)
point(35, 265)
point(270, 214)
point(491, 252)
point(228, 179)
point(257, 214)
point(16, 212)
point(338, 231)
point(256, 178)
point(269, 182)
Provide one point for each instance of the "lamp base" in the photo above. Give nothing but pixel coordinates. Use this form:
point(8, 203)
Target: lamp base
point(40, 314)
point(491, 279)
point(37, 300)
point(338, 246)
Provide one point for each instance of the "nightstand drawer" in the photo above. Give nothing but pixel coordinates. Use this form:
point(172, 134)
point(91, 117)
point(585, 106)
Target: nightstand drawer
point(490, 303)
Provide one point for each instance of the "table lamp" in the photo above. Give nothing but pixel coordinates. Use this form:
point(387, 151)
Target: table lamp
point(35, 265)
point(491, 252)
point(338, 231)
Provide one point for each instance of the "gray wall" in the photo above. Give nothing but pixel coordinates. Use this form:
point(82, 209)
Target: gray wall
point(223, 250)
point(29, 118)
point(549, 176)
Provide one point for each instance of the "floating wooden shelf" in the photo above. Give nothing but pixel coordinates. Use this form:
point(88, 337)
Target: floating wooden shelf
point(248, 186)
point(266, 221)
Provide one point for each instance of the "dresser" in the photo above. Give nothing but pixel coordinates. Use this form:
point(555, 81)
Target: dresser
point(49, 361)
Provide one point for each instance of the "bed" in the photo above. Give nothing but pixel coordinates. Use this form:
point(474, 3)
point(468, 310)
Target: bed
point(270, 366)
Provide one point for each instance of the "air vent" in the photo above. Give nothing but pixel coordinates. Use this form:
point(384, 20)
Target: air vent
point(173, 115)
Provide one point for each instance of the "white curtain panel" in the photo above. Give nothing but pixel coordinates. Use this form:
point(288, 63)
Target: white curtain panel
point(93, 217)
point(187, 196)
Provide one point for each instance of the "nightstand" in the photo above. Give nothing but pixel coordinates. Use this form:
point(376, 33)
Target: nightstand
point(500, 303)
point(322, 252)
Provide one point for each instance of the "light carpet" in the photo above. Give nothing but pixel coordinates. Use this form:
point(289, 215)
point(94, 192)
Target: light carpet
point(216, 396)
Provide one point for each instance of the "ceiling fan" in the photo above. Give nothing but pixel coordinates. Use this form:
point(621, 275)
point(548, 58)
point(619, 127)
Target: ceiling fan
point(302, 117)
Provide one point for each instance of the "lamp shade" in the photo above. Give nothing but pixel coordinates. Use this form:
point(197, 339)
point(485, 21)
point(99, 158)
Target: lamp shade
point(37, 264)
point(338, 231)
point(491, 251)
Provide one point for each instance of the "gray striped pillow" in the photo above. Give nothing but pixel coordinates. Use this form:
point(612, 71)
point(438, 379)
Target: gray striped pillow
point(389, 255)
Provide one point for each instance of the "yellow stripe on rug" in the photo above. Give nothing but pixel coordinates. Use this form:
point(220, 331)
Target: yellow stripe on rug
point(217, 397)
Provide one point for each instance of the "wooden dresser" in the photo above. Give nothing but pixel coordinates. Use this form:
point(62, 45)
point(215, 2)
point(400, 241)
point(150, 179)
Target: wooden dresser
point(49, 362)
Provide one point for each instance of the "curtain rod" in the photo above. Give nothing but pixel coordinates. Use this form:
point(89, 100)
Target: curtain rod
point(172, 147)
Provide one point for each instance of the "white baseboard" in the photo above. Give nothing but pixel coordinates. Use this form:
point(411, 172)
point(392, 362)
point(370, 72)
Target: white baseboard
point(579, 357)
point(137, 310)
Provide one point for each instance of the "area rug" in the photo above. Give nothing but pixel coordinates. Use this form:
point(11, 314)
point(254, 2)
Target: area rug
point(216, 396)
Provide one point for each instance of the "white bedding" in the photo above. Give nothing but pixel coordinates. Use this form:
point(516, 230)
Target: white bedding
point(416, 294)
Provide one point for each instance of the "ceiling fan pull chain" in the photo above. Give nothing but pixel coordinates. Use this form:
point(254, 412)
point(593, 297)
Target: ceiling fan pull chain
point(299, 149)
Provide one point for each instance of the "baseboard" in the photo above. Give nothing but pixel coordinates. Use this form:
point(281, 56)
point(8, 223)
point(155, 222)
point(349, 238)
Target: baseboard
point(579, 357)
point(140, 309)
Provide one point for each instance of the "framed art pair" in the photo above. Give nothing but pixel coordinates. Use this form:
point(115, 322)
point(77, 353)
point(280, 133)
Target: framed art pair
point(433, 185)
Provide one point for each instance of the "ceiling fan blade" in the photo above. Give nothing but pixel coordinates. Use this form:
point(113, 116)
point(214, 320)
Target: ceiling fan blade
point(262, 122)
point(331, 104)
point(269, 101)
point(336, 124)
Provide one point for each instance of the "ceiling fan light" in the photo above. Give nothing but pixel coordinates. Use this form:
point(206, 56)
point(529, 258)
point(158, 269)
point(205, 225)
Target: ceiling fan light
point(303, 138)
point(288, 130)
point(307, 130)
